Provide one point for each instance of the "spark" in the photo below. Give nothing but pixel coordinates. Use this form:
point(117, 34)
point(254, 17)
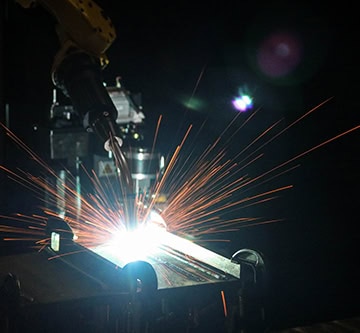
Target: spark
point(205, 191)
point(224, 303)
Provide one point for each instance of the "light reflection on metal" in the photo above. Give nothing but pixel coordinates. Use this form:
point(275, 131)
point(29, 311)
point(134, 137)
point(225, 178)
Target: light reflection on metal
point(161, 248)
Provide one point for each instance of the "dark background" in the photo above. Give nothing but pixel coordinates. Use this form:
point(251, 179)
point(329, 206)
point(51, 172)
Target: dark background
point(177, 53)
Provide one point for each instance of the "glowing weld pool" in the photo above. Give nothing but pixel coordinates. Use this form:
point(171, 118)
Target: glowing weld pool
point(177, 261)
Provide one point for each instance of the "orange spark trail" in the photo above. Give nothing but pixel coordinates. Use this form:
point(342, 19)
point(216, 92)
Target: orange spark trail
point(292, 124)
point(224, 303)
point(202, 190)
point(305, 153)
point(197, 84)
point(156, 133)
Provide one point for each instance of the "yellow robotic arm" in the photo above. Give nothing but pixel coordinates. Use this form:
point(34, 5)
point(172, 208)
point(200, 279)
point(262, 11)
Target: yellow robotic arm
point(82, 24)
point(85, 33)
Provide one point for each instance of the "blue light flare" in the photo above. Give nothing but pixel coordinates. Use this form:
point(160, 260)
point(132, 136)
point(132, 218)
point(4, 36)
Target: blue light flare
point(243, 103)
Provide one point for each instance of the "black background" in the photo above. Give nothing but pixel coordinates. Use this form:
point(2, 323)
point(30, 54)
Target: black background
point(162, 50)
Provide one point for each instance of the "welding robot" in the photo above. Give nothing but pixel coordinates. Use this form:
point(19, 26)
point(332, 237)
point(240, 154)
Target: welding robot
point(200, 278)
point(85, 34)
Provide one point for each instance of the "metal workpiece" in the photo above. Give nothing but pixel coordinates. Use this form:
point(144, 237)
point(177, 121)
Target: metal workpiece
point(173, 286)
